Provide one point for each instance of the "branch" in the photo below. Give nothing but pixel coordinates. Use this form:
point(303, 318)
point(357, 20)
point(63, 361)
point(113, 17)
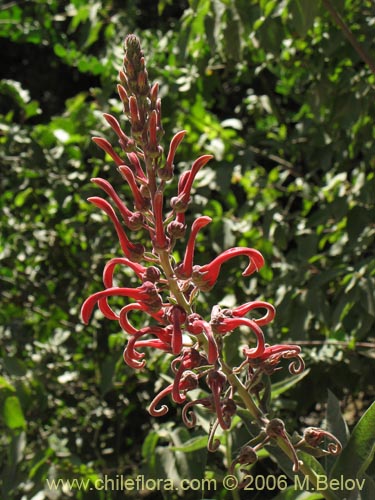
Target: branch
point(349, 35)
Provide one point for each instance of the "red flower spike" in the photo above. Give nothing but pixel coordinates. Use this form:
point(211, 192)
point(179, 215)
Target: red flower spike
point(109, 189)
point(204, 277)
point(184, 270)
point(216, 381)
point(257, 304)
point(161, 241)
point(132, 251)
point(229, 324)
point(140, 202)
point(183, 198)
point(107, 147)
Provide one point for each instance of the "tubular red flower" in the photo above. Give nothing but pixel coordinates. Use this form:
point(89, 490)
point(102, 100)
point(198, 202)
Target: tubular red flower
point(216, 381)
point(134, 115)
point(108, 188)
point(152, 129)
point(161, 241)
point(229, 324)
point(132, 251)
point(162, 341)
point(177, 317)
point(146, 294)
point(154, 94)
point(175, 142)
point(107, 147)
point(185, 269)
point(136, 164)
point(190, 358)
point(271, 356)
point(205, 277)
point(257, 304)
point(276, 428)
point(187, 383)
point(313, 436)
point(114, 124)
point(196, 325)
point(139, 201)
point(110, 267)
point(123, 96)
point(189, 417)
point(182, 200)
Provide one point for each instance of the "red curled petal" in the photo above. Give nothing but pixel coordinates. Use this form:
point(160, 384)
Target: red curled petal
point(197, 165)
point(164, 409)
point(184, 270)
point(213, 352)
point(123, 317)
point(206, 276)
point(257, 304)
point(110, 267)
point(132, 252)
point(229, 324)
point(108, 188)
point(89, 303)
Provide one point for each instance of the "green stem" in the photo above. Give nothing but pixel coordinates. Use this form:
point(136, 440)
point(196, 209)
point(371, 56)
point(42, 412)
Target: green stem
point(172, 281)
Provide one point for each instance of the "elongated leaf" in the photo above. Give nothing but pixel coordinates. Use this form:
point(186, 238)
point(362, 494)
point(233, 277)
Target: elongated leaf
point(282, 386)
point(336, 425)
point(196, 443)
point(359, 452)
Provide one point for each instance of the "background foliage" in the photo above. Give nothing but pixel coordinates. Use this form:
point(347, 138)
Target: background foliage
point(277, 93)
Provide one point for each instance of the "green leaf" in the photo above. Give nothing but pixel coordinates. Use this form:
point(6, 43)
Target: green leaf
point(13, 414)
point(196, 443)
point(359, 452)
point(335, 421)
point(284, 385)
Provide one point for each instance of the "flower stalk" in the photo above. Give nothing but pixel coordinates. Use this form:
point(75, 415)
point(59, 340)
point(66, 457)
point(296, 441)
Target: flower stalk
point(167, 292)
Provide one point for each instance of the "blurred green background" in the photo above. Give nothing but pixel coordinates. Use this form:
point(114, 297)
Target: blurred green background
point(278, 95)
